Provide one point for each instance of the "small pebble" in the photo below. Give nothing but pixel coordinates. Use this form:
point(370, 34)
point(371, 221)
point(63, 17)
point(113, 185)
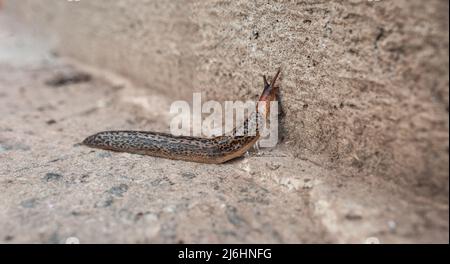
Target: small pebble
point(104, 203)
point(30, 203)
point(51, 176)
point(118, 190)
point(273, 166)
point(188, 175)
point(104, 154)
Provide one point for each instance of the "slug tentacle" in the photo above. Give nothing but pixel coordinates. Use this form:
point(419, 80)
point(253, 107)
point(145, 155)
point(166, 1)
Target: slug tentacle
point(205, 150)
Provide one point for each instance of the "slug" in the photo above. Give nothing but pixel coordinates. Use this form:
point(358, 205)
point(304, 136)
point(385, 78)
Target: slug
point(204, 150)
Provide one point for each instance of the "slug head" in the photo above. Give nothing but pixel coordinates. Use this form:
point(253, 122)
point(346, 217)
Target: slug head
point(268, 95)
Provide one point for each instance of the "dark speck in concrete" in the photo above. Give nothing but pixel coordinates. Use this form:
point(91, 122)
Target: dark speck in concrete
point(118, 190)
point(255, 34)
point(353, 217)
point(233, 216)
point(30, 203)
point(188, 175)
point(51, 176)
point(67, 78)
point(51, 122)
point(259, 200)
point(229, 233)
point(18, 146)
point(273, 166)
point(138, 216)
point(84, 178)
point(104, 154)
point(162, 181)
point(4, 148)
point(104, 203)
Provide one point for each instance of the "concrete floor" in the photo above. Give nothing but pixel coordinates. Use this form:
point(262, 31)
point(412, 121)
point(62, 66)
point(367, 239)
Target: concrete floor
point(53, 190)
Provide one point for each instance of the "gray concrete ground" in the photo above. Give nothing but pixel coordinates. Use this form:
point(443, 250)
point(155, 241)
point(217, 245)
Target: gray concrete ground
point(52, 189)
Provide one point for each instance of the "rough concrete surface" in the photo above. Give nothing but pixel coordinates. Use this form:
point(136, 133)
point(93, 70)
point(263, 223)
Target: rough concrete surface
point(365, 99)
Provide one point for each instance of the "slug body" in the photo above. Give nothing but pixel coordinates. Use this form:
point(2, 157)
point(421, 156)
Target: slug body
point(205, 150)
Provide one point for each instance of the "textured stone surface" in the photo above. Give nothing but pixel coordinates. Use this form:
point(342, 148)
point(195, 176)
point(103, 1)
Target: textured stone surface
point(364, 83)
point(365, 96)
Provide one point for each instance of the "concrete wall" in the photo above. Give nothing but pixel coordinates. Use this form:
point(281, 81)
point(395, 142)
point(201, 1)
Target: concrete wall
point(364, 83)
